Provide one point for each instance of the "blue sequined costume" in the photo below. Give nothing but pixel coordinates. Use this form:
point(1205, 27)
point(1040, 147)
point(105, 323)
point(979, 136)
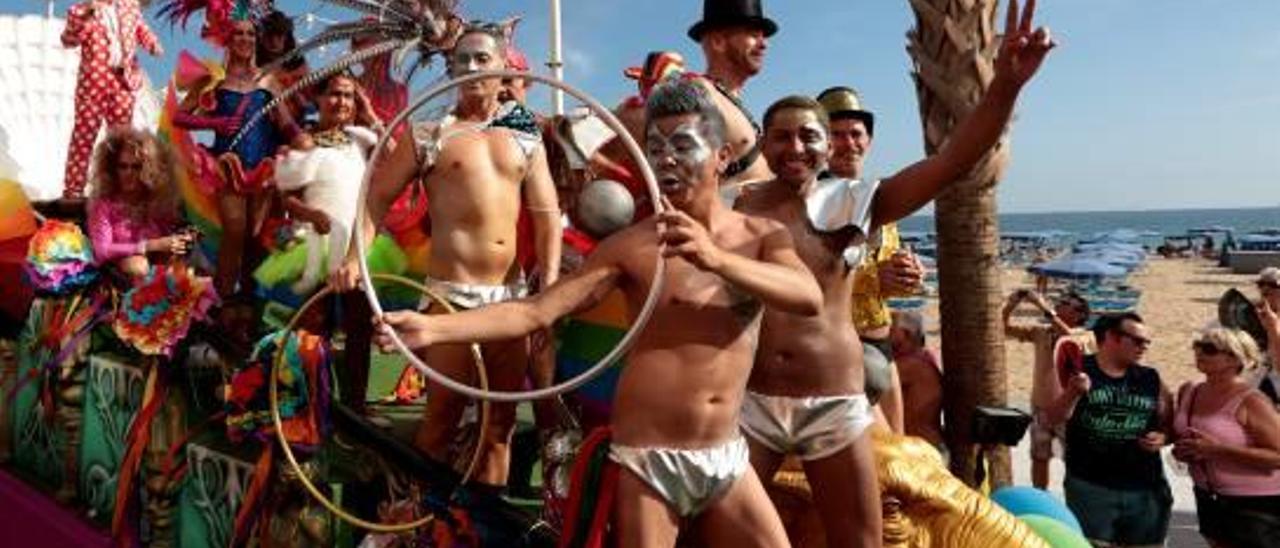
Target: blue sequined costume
point(258, 142)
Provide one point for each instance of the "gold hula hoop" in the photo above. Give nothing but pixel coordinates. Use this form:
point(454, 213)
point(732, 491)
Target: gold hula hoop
point(288, 452)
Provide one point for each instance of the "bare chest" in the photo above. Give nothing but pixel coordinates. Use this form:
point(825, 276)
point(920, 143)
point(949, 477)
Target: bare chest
point(692, 297)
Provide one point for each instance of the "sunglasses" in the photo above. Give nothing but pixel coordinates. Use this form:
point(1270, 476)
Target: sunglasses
point(1207, 349)
point(1268, 285)
point(1140, 341)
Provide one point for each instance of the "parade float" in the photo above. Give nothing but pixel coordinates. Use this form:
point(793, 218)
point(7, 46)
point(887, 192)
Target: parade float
point(131, 414)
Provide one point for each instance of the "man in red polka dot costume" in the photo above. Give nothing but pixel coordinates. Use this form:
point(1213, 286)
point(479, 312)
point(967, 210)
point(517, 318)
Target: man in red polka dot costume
point(107, 33)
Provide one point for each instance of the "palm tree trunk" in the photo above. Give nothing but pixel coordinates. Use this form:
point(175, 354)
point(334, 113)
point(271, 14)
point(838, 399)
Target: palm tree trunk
point(953, 47)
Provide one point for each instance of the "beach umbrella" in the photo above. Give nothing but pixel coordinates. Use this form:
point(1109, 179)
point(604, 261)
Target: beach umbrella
point(1115, 258)
point(1211, 229)
point(1124, 235)
point(1111, 246)
point(1078, 268)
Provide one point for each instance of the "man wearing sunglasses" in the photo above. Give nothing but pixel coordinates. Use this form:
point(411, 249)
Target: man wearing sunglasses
point(1117, 414)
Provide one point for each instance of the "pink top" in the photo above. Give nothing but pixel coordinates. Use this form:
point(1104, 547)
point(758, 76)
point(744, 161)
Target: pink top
point(1220, 476)
point(116, 230)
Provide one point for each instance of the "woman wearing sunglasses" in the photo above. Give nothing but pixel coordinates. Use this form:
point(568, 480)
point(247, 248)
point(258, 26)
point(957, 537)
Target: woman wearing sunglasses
point(1229, 434)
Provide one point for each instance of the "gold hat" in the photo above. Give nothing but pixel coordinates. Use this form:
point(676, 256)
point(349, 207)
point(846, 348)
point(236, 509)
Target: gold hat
point(844, 102)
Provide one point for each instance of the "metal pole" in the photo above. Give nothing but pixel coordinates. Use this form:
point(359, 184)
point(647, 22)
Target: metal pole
point(555, 63)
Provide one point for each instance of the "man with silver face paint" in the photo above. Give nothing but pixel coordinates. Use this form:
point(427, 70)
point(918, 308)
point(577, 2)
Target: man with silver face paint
point(476, 164)
point(806, 392)
point(674, 425)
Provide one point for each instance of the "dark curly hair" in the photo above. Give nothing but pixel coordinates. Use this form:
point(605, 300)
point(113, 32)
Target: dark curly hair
point(277, 23)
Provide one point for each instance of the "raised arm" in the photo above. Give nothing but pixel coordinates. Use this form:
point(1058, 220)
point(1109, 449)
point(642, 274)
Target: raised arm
point(1271, 324)
point(77, 16)
point(1060, 411)
point(511, 319)
point(1017, 332)
point(544, 207)
point(1021, 53)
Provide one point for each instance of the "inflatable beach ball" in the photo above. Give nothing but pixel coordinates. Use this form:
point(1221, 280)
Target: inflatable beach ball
point(1055, 533)
point(1023, 500)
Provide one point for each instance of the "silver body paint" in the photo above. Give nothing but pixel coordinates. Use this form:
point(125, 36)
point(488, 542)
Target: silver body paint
point(465, 57)
point(685, 144)
point(815, 139)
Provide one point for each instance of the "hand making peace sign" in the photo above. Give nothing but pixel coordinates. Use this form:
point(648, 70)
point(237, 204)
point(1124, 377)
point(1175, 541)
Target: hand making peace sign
point(1023, 49)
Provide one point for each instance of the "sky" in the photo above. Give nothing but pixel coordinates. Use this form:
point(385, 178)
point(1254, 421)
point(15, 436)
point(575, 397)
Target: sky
point(1169, 104)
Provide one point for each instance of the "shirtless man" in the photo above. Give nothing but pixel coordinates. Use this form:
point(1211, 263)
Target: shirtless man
point(734, 37)
point(806, 390)
point(921, 374)
point(475, 164)
point(674, 423)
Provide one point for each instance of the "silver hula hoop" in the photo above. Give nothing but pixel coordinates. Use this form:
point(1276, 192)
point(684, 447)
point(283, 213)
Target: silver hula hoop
point(650, 302)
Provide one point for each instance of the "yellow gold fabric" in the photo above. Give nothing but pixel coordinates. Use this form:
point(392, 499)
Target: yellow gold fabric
point(869, 308)
point(924, 505)
point(841, 101)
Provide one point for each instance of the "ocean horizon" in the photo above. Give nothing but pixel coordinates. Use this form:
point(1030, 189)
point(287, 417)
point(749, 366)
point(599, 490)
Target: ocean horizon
point(1166, 222)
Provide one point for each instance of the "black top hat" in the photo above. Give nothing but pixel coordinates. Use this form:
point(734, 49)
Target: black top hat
point(724, 13)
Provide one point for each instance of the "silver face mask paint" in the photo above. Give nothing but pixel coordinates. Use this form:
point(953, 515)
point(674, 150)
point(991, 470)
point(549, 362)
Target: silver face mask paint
point(815, 140)
point(473, 53)
point(686, 145)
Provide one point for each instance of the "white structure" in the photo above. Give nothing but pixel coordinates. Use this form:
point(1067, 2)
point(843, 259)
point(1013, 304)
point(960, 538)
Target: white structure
point(37, 90)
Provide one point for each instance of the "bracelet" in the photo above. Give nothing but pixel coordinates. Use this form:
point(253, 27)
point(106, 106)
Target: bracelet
point(142, 247)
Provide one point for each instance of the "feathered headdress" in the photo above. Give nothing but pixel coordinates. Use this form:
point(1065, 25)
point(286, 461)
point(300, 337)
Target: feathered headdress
point(403, 28)
point(218, 15)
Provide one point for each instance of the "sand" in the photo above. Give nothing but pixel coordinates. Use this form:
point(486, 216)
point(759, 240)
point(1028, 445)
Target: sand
point(1179, 296)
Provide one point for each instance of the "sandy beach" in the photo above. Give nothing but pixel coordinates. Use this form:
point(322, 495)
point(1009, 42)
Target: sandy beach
point(1179, 296)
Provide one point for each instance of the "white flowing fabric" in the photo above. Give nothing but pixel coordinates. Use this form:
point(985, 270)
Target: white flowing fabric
point(832, 204)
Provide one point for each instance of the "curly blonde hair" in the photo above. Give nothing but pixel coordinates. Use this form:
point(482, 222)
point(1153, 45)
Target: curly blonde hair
point(156, 175)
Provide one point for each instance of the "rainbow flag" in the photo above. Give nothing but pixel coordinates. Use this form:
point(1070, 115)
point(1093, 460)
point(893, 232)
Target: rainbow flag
point(199, 208)
point(583, 340)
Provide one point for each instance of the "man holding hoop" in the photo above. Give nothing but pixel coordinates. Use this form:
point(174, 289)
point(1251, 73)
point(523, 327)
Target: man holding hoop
point(674, 425)
point(475, 163)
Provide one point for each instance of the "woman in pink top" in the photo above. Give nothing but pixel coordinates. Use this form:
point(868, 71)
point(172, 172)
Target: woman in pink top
point(1229, 434)
point(133, 208)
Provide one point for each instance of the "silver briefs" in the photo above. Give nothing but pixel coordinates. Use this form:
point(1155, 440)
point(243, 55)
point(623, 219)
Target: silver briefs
point(688, 479)
point(811, 428)
point(464, 296)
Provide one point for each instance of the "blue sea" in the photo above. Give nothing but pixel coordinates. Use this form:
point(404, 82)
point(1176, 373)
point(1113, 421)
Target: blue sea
point(1083, 224)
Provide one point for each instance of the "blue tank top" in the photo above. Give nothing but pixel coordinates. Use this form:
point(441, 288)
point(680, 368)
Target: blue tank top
point(260, 141)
